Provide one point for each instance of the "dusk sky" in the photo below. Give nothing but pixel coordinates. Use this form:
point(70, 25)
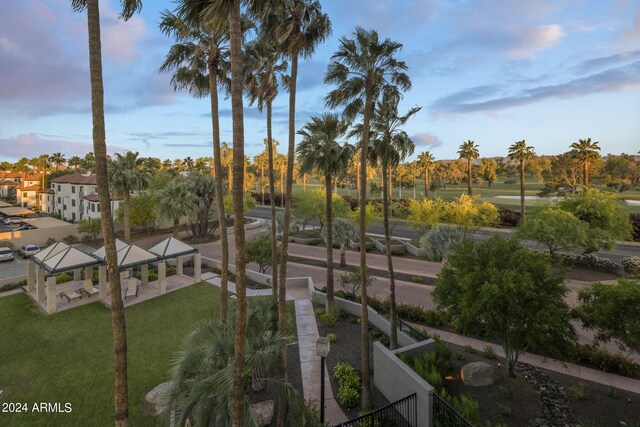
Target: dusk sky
point(494, 71)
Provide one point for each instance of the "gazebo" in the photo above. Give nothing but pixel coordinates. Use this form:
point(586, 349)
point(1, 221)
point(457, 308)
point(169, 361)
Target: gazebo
point(55, 259)
point(173, 248)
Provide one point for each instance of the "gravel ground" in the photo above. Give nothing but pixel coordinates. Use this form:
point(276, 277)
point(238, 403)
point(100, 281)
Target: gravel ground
point(347, 348)
point(602, 407)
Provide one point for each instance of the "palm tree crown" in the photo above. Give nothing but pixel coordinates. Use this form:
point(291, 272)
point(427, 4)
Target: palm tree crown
point(469, 150)
point(520, 151)
point(319, 150)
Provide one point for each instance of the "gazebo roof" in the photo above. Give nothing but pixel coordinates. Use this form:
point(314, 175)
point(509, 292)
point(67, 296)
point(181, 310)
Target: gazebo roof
point(172, 248)
point(129, 255)
point(61, 257)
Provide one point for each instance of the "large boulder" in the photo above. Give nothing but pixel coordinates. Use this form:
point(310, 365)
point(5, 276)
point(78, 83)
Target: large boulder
point(156, 399)
point(262, 412)
point(478, 374)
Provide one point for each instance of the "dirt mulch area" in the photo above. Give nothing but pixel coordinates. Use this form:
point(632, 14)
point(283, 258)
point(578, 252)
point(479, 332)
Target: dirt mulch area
point(604, 407)
point(347, 348)
point(585, 273)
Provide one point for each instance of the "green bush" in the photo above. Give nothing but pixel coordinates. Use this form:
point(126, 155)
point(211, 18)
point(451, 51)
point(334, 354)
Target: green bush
point(69, 239)
point(314, 242)
point(328, 318)
point(348, 384)
point(469, 349)
point(632, 266)
point(50, 241)
point(489, 352)
point(580, 391)
point(505, 410)
point(600, 359)
point(612, 392)
point(10, 286)
point(171, 271)
point(332, 337)
point(417, 279)
point(63, 277)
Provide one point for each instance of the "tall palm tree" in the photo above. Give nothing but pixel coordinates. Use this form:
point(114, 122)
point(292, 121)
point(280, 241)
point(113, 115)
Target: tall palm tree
point(389, 147)
point(521, 152)
point(200, 61)
point(58, 159)
point(469, 151)
point(265, 71)
point(426, 160)
point(321, 152)
point(299, 26)
point(118, 325)
point(585, 151)
point(363, 68)
point(126, 175)
point(177, 201)
point(75, 162)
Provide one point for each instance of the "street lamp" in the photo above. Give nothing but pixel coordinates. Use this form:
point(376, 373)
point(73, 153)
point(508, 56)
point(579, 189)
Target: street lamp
point(322, 350)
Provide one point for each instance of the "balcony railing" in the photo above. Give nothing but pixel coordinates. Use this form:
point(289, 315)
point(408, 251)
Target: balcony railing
point(444, 415)
point(403, 413)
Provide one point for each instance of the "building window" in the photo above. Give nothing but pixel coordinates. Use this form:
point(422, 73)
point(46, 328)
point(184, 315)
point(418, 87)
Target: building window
point(98, 208)
point(24, 194)
point(73, 202)
point(93, 207)
point(73, 216)
point(59, 201)
point(73, 188)
point(59, 189)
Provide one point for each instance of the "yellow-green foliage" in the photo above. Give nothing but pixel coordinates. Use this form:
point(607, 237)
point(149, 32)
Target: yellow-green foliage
point(466, 212)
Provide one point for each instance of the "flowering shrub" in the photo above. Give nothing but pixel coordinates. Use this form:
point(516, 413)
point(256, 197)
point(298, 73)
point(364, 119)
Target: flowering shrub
point(632, 266)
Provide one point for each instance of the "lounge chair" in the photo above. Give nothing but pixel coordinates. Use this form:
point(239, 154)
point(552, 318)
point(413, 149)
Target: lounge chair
point(88, 288)
point(132, 288)
point(69, 293)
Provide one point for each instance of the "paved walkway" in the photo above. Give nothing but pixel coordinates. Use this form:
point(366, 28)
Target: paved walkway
point(577, 371)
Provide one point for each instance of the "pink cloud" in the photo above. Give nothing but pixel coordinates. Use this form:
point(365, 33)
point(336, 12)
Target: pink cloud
point(33, 145)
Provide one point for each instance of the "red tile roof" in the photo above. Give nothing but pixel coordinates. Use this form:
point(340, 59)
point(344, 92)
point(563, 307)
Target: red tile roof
point(48, 191)
point(75, 178)
point(30, 188)
point(10, 183)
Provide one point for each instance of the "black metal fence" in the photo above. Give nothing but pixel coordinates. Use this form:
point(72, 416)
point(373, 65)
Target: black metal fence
point(444, 415)
point(403, 413)
point(416, 334)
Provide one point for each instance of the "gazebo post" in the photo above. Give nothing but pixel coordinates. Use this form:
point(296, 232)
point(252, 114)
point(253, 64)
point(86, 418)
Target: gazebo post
point(77, 275)
point(144, 274)
point(102, 280)
point(88, 273)
point(162, 274)
point(179, 265)
point(197, 268)
point(40, 285)
point(31, 275)
point(51, 294)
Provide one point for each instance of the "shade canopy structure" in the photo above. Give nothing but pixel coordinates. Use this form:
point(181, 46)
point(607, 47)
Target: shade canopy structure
point(4, 204)
point(16, 211)
point(172, 248)
point(129, 255)
point(61, 257)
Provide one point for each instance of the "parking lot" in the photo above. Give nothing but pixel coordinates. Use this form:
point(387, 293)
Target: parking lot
point(17, 267)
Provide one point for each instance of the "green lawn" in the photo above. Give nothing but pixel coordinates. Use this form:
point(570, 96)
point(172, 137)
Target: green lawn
point(498, 188)
point(68, 357)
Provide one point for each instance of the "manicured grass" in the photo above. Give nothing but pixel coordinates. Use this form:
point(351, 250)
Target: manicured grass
point(68, 357)
point(498, 188)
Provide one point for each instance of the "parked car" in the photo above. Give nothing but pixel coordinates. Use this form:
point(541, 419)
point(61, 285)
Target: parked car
point(13, 220)
point(6, 254)
point(27, 251)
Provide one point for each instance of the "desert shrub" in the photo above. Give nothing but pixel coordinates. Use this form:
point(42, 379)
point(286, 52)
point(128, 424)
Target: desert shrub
point(612, 392)
point(469, 349)
point(63, 277)
point(417, 279)
point(69, 239)
point(351, 282)
point(51, 241)
point(509, 218)
point(6, 244)
point(171, 271)
point(580, 391)
point(635, 223)
point(466, 406)
point(614, 363)
point(594, 260)
point(348, 384)
point(489, 352)
point(328, 318)
point(632, 266)
point(504, 410)
point(86, 239)
point(10, 286)
point(332, 337)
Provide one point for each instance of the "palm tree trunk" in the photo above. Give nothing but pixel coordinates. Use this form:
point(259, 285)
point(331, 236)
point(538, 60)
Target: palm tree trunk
point(281, 186)
point(426, 183)
point(272, 196)
point(364, 313)
point(230, 173)
point(262, 182)
point(387, 244)
point(586, 174)
point(176, 228)
point(237, 408)
point(304, 183)
point(328, 201)
point(127, 217)
point(469, 175)
point(217, 168)
point(400, 186)
point(358, 184)
point(282, 291)
point(521, 188)
point(118, 324)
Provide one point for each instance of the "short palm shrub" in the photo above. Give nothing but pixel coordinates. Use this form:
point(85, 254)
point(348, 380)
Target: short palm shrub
point(64, 277)
point(332, 337)
point(489, 352)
